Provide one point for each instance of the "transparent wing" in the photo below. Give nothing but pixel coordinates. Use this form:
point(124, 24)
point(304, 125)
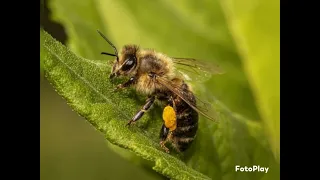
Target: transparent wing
point(201, 106)
point(195, 70)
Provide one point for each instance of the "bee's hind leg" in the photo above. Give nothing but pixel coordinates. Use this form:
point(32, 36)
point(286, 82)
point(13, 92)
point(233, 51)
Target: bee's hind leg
point(144, 109)
point(164, 134)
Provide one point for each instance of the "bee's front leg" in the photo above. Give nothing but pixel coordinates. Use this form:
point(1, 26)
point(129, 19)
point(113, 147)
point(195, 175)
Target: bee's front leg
point(131, 81)
point(144, 109)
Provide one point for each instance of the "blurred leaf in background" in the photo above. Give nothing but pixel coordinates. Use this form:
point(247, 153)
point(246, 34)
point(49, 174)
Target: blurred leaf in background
point(199, 30)
point(256, 28)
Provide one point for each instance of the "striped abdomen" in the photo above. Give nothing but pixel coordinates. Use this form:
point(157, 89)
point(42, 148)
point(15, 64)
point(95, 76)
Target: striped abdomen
point(187, 121)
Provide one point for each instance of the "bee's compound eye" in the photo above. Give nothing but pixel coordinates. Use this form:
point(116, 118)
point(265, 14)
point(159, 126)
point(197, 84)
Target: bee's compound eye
point(129, 63)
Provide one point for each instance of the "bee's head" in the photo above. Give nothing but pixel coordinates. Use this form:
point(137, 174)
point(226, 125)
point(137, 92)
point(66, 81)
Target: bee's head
point(126, 62)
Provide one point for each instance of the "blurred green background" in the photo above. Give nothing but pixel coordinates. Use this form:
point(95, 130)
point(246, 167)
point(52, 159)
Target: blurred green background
point(241, 36)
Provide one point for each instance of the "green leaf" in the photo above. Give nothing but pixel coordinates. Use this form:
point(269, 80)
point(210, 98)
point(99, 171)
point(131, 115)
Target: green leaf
point(83, 83)
point(256, 29)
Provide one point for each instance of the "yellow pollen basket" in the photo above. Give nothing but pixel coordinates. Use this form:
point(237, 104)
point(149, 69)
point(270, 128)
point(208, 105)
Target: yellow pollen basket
point(169, 118)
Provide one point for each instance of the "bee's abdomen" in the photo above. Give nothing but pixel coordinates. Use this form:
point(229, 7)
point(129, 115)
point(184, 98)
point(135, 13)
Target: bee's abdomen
point(187, 126)
point(187, 123)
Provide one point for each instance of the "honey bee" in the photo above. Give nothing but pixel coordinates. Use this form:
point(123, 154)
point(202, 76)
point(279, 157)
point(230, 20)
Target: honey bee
point(164, 79)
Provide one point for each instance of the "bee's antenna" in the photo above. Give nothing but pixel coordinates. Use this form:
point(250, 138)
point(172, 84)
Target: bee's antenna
point(105, 53)
point(114, 48)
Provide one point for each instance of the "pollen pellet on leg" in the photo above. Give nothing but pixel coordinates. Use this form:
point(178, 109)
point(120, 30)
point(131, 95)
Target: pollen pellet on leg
point(169, 118)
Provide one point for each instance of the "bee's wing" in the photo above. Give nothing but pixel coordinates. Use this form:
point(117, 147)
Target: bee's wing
point(202, 107)
point(195, 70)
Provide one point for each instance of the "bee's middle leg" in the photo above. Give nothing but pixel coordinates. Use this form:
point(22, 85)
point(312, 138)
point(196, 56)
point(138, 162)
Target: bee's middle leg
point(145, 108)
